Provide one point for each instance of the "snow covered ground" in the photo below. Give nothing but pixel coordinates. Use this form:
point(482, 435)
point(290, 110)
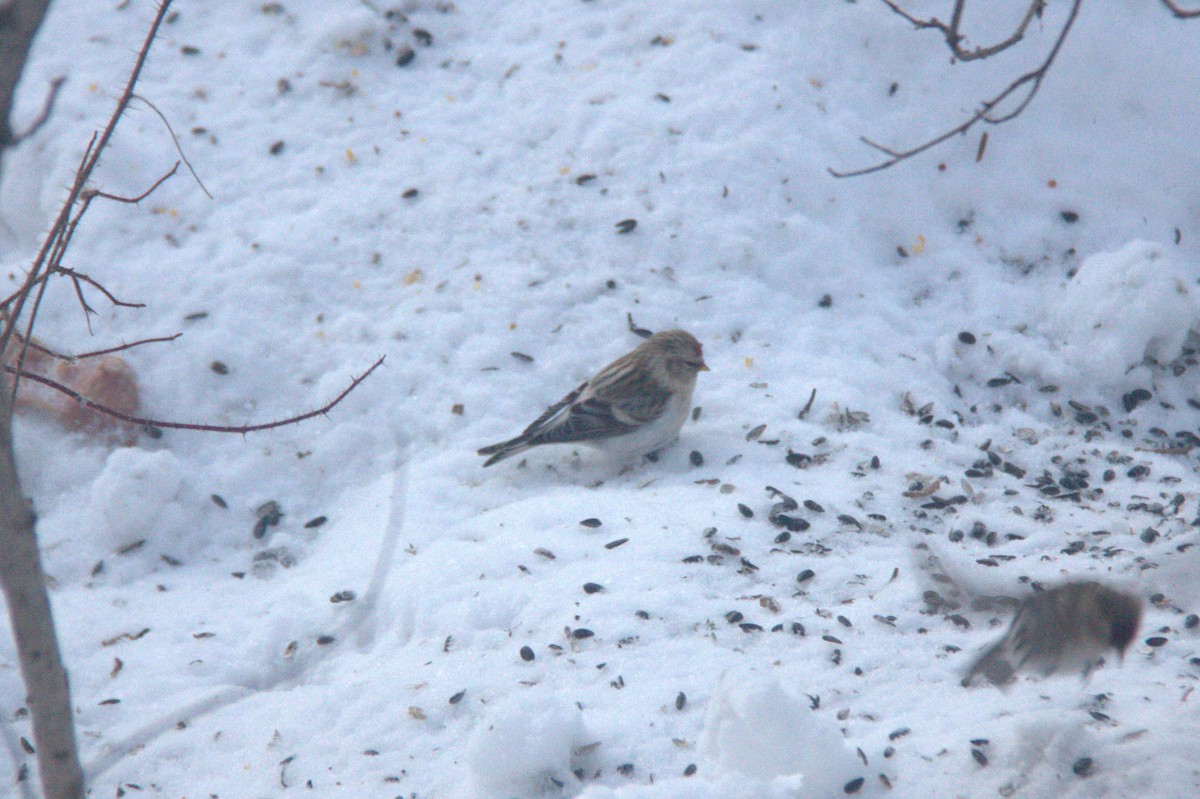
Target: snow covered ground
point(974, 332)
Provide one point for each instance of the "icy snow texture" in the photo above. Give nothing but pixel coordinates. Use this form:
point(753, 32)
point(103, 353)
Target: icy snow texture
point(1123, 307)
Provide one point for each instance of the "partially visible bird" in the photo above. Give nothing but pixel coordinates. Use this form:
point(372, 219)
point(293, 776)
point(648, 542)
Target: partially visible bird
point(1069, 627)
point(634, 406)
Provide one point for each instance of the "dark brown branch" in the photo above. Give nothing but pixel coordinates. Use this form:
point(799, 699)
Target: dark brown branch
point(64, 227)
point(207, 428)
point(80, 276)
point(129, 346)
point(1032, 78)
point(953, 34)
point(143, 195)
point(47, 110)
point(1179, 12)
point(178, 148)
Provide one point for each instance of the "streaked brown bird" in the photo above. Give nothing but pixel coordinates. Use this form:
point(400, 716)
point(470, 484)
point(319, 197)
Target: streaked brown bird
point(634, 406)
point(1067, 628)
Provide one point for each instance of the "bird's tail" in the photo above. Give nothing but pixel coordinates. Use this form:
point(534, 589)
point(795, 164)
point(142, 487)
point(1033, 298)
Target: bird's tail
point(505, 449)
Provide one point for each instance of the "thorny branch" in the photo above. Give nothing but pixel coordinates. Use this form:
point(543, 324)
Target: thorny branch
point(208, 428)
point(1032, 80)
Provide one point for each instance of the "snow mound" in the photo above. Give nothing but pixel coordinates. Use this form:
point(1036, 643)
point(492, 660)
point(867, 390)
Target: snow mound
point(759, 730)
point(527, 746)
point(1123, 307)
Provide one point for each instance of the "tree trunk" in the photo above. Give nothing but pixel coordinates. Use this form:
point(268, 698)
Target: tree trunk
point(24, 587)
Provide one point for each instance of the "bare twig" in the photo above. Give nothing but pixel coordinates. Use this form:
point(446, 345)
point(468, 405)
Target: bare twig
point(178, 148)
point(1032, 79)
point(208, 428)
point(120, 348)
point(43, 115)
point(1179, 12)
point(953, 34)
point(143, 195)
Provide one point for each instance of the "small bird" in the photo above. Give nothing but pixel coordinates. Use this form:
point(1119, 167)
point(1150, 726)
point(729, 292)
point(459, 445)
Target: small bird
point(633, 406)
point(1065, 628)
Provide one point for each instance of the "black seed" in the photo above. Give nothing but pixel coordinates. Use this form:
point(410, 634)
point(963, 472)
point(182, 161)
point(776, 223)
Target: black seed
point(979, 756)
point(745, 511)
point(458, 697)
point(997, 382)
point(581, 633)
point(219, 368)
point(1138, 472)
point(276, 148)
point(614, 544)
point(826, 301)
point(849, 520)
point(409, 194)
point(522, 357)
point(1149, 535)
point(695, 413)
point(854, 786)
point(405, 55)
point(874, 461)
point(900, 733)
point(626, 769)
point(805, 576)
point(422, 36)
point(966, 338)
point(1141, 395)
point(342, 596)
point(1070, 217)
point(842, 620)
point(1109, 475)
point(1083, 766)
point(1015, 471)
point(751, 628)
point(798, 629)
point(325, 640)
point(592, 588)
point(591, 522)
point(626, 225)
point(808, 503)
point(28, 747)
point(696, 458)
point(1128, 402)
point(641, 614)
point(1191, 621)
point(693, 559)
point(315, 522)
point(829, 639)
point(527, 654)
point(680, 700)
point(1156, 641)
point(783, 537)
point(690, 770)
point(798, 459)
point(219, 501)
point(733, 617)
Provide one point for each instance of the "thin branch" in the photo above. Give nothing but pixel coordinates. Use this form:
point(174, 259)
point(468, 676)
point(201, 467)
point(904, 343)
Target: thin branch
point(129, 346)
point(953, 34)
point(62, 356)
point(1033, 77)
point(47, 110)
point(178, 148)
point(64, 227)
point(143, 195)
point(1180, 12)
point(80, 276)
point(207, 428)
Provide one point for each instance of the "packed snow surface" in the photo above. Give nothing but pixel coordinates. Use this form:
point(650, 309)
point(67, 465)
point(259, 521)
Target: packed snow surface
point(1001, 341)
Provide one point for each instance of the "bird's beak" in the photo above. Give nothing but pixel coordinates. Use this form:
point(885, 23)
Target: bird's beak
point(703, 367)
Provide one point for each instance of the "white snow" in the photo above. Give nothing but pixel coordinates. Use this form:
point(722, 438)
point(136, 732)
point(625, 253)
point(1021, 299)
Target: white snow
point(1038, 289)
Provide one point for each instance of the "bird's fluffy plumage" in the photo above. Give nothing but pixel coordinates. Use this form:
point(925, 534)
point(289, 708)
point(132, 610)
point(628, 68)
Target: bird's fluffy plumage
point(635, 405)
point(1070, 627)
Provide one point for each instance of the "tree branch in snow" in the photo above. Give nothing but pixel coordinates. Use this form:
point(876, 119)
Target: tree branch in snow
point(953, 34)
point(1180, 12)
point(172, 425)
point(21, 20)
point(1031, 82)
